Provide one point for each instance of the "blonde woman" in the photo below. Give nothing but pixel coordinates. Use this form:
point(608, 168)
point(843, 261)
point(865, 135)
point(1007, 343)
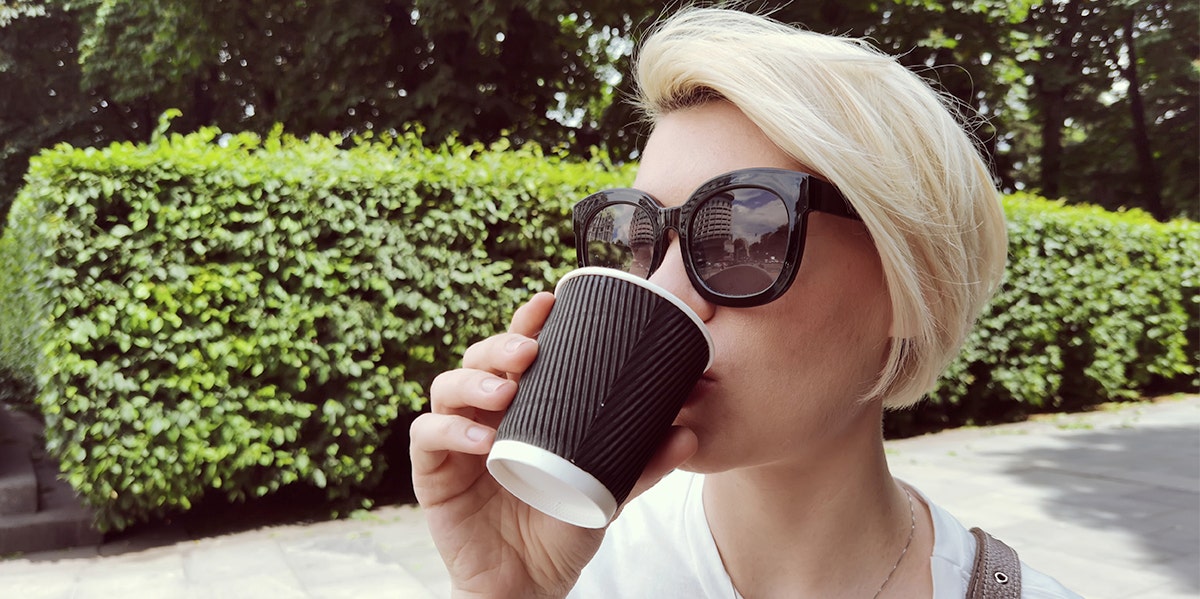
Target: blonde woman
point(888, 239)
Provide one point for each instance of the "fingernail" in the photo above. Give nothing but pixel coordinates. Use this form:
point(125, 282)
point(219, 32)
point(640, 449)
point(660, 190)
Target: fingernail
point(515, 344)
point(491, 384)
point(476, 433)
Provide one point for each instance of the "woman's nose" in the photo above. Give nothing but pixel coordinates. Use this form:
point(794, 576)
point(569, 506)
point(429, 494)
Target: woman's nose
point(672, 276)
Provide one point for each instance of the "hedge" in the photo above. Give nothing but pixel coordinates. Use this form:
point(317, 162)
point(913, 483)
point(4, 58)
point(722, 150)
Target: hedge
point(1096, 306)
point(19, 324)
point(234, 314)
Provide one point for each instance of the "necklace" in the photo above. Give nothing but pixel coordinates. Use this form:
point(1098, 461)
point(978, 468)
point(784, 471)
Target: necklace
point(912, 529)
point(912, 515)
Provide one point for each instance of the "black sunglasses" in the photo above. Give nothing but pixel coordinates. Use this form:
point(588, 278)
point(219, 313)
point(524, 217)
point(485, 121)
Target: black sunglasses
point(741, 234)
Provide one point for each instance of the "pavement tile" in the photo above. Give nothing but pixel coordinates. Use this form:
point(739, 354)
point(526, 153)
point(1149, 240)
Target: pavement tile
point(992, 510)
point(230, 558)
point(1175, 540)
point(157, 577)
point(1089, 577)
point(314, 566)
point(268, 584)
point(395, 585)
point(34, 585)
point(161, 566)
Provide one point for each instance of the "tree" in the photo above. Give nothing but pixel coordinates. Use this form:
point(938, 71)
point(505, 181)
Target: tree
point(1168, 44)
point(1089, 100)
point(1115, 90)
point(1092, 101)
point(1151, 56)
point(43, 100)
point(478, 70)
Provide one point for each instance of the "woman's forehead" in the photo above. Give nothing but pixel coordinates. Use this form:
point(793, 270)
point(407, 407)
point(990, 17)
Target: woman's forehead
point(692, 145)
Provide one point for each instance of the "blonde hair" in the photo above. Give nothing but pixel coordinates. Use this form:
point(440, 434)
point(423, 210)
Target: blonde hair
point(878, 132)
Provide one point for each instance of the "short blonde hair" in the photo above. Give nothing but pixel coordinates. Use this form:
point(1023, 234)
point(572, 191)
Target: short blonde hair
point(880, 134)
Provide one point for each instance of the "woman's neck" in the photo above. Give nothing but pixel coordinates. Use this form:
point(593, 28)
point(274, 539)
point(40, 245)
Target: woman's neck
point(830, 526)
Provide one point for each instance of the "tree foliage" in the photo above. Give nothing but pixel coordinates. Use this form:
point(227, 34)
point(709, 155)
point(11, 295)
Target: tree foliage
point(1092, 101)
point(1112, 87)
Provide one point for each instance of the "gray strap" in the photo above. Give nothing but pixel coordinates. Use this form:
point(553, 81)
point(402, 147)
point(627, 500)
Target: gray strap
point(997, 571)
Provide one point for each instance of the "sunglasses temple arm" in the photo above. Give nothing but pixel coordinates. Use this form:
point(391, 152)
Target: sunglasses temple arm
point(826, 198)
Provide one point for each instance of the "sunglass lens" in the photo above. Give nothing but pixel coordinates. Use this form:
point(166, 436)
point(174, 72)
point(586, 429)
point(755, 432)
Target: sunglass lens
point(621, 236)
point(739, 240)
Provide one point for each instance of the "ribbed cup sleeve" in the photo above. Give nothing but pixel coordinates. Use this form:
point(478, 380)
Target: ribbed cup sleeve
point(615, 364)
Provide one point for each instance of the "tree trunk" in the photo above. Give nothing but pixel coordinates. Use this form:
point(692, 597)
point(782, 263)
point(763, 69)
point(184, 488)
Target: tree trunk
point(204, 105)
point(1052, 101)
point(1147, 173)
point(1054, 81)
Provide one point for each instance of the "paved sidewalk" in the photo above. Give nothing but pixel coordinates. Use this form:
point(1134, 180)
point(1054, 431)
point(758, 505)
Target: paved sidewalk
point(1107, 502)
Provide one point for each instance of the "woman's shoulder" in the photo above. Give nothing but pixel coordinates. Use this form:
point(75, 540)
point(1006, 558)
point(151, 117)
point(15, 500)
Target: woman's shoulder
point(953, 561)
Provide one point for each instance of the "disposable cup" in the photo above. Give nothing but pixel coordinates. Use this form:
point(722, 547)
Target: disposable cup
point(617, 358)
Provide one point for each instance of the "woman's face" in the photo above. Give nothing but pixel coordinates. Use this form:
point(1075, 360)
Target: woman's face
point(787, 377)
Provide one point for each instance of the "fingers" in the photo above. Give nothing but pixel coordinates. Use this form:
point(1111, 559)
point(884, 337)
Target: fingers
point(433, 436)
point(456, 391)
point(509, 354)
point(681, 443)
point(503, 354)
point(447, 445)
point(529, 318)
point(467, 403)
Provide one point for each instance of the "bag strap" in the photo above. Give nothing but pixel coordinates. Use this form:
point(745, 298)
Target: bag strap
point(997, 571)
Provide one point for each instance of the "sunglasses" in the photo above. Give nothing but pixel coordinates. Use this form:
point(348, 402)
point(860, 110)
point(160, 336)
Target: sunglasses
point(741, 234)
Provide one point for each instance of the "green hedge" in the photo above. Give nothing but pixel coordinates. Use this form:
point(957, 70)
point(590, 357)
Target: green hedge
point(1096, 306)
point(20, 308)
point(236, 313)
point(215, 312)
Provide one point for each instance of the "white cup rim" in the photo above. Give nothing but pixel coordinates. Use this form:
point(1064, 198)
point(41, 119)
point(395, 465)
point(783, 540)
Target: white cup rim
point(600, 271)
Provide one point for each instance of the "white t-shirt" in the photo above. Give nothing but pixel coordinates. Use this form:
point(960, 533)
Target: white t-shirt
point(661, 546)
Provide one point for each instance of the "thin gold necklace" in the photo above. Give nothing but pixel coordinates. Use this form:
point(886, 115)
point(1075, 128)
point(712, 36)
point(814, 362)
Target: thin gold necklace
point(912, 515)
point(912, 529)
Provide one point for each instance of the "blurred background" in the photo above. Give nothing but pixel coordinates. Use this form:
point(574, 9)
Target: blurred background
point(241, 237)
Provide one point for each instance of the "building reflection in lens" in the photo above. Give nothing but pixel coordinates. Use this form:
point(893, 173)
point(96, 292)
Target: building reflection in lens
point(740, 240)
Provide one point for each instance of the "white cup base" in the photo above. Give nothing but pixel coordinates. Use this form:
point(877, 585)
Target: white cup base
point(551, 484)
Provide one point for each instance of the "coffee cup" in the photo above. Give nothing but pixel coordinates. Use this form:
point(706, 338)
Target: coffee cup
point(617, 358)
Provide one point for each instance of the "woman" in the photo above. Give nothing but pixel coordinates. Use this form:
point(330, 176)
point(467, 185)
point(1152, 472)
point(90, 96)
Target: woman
point(778, 483)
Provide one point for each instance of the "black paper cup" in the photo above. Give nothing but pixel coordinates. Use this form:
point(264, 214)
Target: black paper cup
point(617, 358)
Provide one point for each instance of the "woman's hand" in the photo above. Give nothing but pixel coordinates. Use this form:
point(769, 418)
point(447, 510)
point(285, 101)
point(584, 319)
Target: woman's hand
point(493, 544)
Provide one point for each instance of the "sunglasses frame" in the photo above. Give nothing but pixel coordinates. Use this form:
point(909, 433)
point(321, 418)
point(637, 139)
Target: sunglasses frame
point(801, 193)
